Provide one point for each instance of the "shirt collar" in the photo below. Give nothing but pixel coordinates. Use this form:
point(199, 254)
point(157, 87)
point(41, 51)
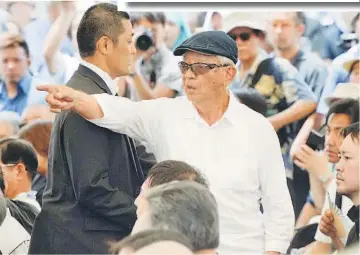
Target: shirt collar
point(230, 113)
point(298, 57)
point(104, 75)
point(24, 84)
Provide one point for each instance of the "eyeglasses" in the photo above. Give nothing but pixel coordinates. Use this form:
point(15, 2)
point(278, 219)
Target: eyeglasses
point(244, 36)
point(6, 165)
point(198, 68)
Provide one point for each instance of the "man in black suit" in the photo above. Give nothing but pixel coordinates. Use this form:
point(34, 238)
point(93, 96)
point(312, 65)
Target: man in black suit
point(94, 174)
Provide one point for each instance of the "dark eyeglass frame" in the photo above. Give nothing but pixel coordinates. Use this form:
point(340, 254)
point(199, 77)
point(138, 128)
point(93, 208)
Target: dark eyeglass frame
point(244, 36)
point(197, 67)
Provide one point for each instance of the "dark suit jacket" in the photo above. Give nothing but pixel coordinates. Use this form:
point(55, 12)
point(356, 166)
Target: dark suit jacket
point(93, 178)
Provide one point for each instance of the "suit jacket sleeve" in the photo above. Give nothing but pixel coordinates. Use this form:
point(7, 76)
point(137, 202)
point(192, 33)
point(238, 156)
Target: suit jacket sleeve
point(87, 152)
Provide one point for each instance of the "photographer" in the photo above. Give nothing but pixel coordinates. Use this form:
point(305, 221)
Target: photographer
point(156, 72)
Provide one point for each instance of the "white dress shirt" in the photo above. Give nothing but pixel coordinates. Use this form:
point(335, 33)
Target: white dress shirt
point(240, 155)
point(13, 237)
point(104, 75)
point(30, 198)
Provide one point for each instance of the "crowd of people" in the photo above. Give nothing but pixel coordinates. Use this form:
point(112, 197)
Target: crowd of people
point(175, 133)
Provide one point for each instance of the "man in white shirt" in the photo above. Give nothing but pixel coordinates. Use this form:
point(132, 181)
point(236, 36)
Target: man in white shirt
point(236, 148)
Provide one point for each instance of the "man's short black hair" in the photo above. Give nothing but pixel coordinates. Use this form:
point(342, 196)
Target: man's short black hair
point(173, 170)
point(348, 106)
point(20, 151)
point(99, 20)
point(300, 18)
point(252, 99)
point(352, 130)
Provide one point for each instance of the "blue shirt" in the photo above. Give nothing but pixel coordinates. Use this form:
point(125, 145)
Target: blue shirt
point(313, 70)
point(337, 75)
point(27, 95)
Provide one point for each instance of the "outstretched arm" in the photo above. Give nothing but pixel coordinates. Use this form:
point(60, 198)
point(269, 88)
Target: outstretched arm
point(61, 98)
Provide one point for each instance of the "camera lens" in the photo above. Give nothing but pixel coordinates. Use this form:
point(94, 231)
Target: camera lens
point(144, 42)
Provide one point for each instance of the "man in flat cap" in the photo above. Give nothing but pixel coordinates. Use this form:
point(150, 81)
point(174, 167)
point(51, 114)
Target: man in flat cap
point(236, 148)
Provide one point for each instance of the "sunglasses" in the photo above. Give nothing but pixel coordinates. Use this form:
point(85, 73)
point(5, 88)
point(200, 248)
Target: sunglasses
point(244, 36)
point(198, 68)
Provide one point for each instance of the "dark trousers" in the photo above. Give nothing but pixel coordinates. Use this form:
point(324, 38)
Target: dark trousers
point(300, 189)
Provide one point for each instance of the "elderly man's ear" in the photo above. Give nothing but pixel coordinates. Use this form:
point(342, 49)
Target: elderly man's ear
point(230, 73)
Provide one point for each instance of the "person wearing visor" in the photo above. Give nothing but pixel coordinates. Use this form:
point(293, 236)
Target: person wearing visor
point(236, 148)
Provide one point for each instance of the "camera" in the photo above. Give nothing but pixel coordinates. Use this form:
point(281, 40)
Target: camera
point(144, 40)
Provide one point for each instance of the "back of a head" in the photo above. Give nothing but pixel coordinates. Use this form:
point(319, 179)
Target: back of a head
point(349, 107)
point(146, 238)
point(252, 99)
point(19, 150)
point(173, 170)
point(177, 205)
point(99, 20)
point(38, 133)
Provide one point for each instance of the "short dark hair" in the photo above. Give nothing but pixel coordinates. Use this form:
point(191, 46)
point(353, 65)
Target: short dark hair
point(347, 106)
point(173, 170)
point(99, 20)
point(20, 151)
point(9, 40)
point(352, 130)
point(300, 18)
point(252, 99)
point(147, 237)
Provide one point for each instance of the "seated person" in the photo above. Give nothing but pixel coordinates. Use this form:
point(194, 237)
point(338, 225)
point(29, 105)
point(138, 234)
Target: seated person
point(348, 185)
point(18, 166)
point(18, 88)
point(38, 133)
point(153, 241)
point(176, 206)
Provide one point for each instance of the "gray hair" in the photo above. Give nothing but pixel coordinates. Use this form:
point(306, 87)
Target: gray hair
point(225, 61)
point(188, 208)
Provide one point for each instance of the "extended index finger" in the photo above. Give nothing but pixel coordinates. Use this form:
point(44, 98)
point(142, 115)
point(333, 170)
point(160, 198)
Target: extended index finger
point(47, 88)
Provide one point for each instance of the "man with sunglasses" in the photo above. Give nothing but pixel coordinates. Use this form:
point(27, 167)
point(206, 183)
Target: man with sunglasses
point(236, 148)
point(289, 98)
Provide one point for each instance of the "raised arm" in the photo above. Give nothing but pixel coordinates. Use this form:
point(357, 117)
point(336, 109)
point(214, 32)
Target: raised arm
point(56, 35)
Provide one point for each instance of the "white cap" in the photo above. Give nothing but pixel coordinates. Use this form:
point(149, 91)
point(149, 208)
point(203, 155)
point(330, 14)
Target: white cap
point(246, 23)
point(343, 91)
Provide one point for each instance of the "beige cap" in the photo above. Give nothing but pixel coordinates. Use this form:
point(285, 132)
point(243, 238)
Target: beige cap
point(343, 91)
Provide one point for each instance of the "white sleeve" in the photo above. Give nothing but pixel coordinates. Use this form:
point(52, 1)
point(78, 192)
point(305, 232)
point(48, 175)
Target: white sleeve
point(278, 210)
point(139, 120)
